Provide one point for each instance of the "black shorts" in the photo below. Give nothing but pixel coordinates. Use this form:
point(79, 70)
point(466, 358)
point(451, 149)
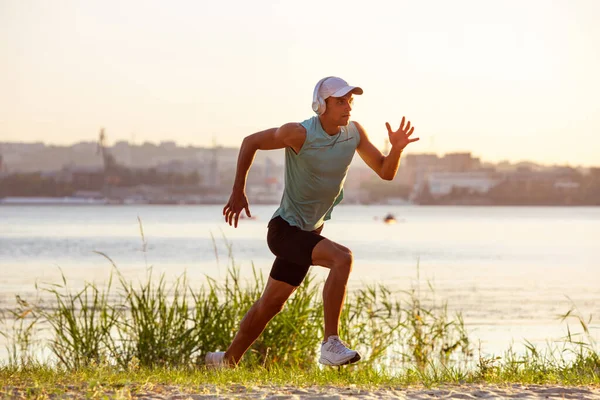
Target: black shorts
point(293, 249)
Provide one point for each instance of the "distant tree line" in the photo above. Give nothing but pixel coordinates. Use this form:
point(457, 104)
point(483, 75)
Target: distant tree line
point(125, 177)
point(33, 185)
point(585, 189)
point(38, 185)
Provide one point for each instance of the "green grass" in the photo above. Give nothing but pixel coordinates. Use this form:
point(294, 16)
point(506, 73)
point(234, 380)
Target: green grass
point(108, 380)
point(158, 324)
point(124, 336)
point(174, 325)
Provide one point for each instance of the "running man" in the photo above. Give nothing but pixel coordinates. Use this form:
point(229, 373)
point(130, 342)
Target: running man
point(318, 153)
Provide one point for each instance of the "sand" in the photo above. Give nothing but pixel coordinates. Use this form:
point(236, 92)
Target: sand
point(335, 393)
point(237, 391)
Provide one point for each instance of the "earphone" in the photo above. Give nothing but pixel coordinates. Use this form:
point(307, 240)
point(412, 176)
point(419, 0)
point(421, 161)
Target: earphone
point(318, 103)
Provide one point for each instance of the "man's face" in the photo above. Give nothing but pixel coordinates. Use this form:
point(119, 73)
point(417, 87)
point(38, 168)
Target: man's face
point(338, 109)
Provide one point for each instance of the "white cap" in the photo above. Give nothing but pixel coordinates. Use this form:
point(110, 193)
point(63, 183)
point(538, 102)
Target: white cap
point(331, 86)
point(337, 87)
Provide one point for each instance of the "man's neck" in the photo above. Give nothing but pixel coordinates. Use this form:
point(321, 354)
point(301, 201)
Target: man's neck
point(331, 128)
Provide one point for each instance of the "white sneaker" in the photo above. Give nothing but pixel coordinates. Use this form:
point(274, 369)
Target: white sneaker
point(215, 360)
point(335, 352)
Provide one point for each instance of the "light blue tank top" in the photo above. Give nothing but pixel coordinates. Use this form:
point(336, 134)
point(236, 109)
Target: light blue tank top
point(314, 178)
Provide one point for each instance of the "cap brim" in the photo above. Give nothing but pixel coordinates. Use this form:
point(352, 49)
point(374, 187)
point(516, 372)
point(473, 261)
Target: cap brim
point(347, 89)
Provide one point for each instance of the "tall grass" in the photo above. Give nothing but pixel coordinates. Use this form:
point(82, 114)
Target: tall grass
point(20, 337)
point(168, 327)
point(154, 323)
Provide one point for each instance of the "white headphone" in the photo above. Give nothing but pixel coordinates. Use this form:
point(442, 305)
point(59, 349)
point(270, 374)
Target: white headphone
point(318, 103)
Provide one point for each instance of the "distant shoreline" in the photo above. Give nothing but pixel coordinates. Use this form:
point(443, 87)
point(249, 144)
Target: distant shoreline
point(75, 201)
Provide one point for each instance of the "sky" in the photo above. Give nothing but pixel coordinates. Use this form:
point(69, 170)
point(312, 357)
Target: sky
point(505, 80)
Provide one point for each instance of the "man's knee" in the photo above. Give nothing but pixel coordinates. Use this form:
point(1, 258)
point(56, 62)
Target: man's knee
point(334, 256)
point(343, 260)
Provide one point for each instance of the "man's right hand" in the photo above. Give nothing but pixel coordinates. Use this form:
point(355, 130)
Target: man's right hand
point(237, 202)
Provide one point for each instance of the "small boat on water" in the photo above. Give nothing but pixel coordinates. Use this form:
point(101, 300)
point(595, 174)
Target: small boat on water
point(389, 219)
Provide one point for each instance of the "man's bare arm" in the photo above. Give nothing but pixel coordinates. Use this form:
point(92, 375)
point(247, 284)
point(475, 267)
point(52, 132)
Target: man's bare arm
point(385, 166)
point(288, 135)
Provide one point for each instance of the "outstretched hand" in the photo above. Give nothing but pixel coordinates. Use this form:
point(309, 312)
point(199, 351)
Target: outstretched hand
point(401, 137)
point(237, 202)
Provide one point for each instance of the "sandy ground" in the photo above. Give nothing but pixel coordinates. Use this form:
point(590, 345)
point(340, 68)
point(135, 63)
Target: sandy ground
point(335, 393)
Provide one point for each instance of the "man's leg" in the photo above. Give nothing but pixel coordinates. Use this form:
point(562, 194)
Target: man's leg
point(339, 261)
point(256, 319)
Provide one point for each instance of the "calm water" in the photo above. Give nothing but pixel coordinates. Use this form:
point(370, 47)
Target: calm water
point(510, 271)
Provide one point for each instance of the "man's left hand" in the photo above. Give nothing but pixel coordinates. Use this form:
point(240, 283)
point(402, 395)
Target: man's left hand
point(401, 138)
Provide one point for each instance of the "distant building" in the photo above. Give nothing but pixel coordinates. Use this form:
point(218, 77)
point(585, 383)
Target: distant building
point(459, 162)
point(442, 183)
point(420, 167)
point(85, 147)
point(178, 167)
point(567, 185)
point(168, 145)
point(121, 151)
point(22, 148)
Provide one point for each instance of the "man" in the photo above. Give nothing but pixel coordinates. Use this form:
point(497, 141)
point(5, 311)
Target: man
point(318, 153)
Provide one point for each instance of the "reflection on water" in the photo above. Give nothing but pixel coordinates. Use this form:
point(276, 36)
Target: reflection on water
point(509, 270)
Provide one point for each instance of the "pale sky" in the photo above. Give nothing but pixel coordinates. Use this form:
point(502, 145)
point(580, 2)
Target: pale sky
point(506, 80)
